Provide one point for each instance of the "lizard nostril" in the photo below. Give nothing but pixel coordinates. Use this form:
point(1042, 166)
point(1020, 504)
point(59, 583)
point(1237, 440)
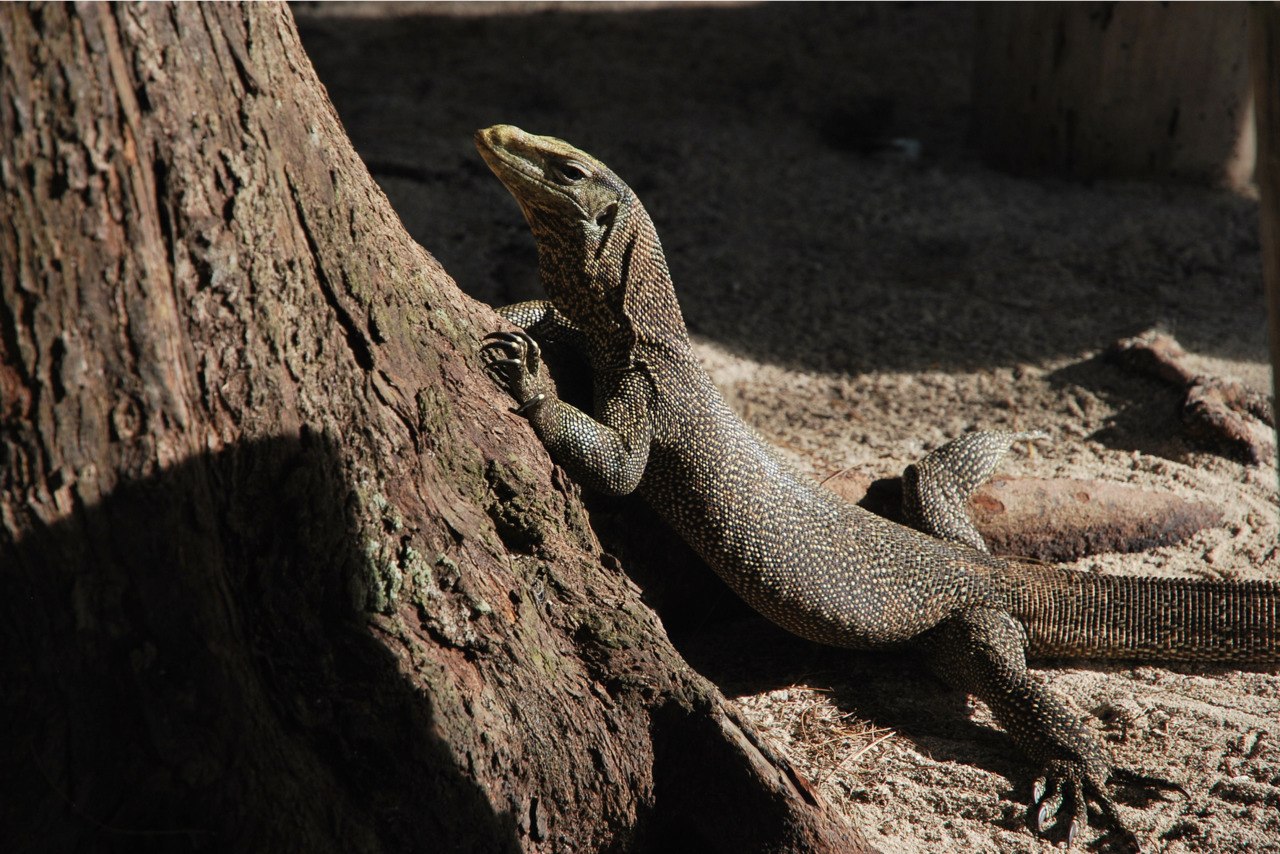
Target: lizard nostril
point(605, 217)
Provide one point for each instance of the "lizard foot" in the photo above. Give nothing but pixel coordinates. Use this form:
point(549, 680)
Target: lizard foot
point(514, 361)
point(1068, 784)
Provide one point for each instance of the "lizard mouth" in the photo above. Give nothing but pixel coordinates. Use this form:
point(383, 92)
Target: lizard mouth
point(513, 156)
point(498, 146)
point(491, 141)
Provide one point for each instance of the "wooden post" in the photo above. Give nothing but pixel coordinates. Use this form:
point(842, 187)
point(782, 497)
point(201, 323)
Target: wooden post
point(1115, 89)
point(1264, 35)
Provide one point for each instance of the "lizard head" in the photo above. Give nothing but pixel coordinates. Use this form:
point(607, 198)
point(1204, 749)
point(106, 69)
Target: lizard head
point(557, 185)
point(597, 249)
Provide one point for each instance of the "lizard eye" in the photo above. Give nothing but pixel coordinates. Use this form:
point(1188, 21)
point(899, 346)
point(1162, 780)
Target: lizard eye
point(568, 172)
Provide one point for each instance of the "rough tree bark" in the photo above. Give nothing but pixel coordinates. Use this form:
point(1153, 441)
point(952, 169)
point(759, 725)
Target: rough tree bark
point(278, 569)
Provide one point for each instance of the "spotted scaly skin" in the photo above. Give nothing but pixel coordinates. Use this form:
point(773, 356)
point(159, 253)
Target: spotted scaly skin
point(806, 559)
point(936, 490)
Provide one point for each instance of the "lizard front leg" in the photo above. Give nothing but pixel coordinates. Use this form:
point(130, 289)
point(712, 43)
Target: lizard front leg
point(541, 319)
point(982, 651)
point(608, 455)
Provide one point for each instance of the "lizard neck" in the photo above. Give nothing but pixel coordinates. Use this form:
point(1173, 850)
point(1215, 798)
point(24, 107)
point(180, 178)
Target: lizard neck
point(618, 291)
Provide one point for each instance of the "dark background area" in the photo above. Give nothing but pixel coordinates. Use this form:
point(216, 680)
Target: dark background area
point(760, 138)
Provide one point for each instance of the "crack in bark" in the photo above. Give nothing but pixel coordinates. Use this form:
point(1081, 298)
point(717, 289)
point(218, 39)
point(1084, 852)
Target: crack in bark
point(9, 341)
point(164, 213)
point(383, 386)
point(248, 82)
point(359, 346)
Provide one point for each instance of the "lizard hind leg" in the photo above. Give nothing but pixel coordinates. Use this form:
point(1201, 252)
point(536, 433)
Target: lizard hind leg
point(936, 490)
point(982, 651)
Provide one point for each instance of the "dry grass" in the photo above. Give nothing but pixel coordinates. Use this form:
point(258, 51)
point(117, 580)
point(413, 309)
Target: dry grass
point(833, 749)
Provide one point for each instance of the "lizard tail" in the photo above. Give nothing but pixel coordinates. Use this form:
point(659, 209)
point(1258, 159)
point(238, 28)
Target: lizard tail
point(1081, 615)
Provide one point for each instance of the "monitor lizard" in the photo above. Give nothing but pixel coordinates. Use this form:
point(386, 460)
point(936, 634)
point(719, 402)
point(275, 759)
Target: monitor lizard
point(813, 563)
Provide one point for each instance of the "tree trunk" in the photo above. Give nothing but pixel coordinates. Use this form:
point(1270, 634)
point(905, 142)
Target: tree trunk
point(279, 570)
point(1115, 89)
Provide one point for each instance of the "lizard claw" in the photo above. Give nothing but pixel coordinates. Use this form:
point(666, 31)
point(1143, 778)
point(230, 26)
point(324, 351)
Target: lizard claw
point(1038, 790)
point(519, 344)
point(1078, 789)
point(1049, 794)
point(500, 340)
point(513, 360)
point(518, 348)
point(1050, 801)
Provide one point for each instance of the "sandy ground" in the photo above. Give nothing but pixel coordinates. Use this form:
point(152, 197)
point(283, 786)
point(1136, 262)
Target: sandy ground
point(860, 307)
